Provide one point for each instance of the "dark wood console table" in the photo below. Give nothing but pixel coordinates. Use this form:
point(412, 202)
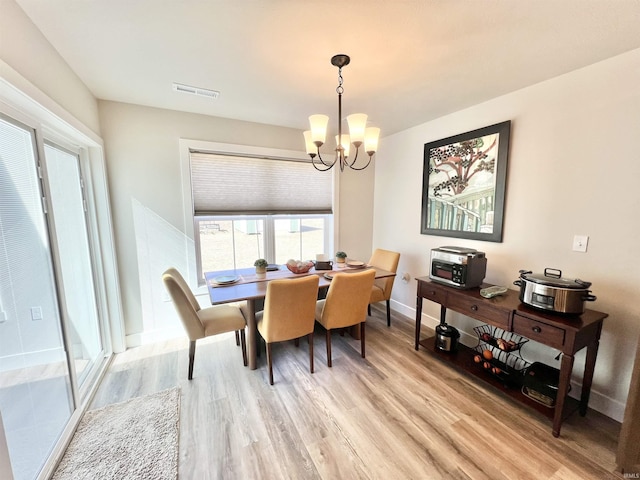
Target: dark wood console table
point(569, 334)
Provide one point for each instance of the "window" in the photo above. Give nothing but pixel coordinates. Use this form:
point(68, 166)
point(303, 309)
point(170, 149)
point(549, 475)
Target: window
point(226, 243)
point(248, 206)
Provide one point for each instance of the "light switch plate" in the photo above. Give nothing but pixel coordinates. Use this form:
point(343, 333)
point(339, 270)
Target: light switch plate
point(36, 313)
point(580, 243)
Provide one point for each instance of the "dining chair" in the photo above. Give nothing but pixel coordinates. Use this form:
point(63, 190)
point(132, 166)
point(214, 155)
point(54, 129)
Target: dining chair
point(381, 290)
point(288, 313)
point(202, 322)
point(345, 304)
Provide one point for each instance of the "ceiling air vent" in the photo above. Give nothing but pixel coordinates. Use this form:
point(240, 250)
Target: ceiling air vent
point(202, 92)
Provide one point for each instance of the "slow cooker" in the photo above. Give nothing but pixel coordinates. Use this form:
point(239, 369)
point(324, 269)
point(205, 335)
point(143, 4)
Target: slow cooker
point(447, 338)
point(552, 293)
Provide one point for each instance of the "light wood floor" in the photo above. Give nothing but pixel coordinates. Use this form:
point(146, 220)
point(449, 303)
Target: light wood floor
point(396, 414)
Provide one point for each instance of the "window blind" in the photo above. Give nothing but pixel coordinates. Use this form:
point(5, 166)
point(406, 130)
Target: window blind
point(230, 184)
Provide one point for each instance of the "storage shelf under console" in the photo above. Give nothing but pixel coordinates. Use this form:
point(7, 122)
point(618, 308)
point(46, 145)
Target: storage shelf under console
point(463, 361)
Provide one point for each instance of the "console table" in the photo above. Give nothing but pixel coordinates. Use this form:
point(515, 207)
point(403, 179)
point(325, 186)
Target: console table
point(569, 334)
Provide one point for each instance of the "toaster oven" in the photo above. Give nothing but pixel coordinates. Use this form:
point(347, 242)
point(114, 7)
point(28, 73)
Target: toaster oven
point(458, 267)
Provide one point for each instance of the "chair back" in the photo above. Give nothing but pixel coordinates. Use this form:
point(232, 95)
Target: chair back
point(347, 299)
point(289, 308)
point(386, 260)
point(185, 303)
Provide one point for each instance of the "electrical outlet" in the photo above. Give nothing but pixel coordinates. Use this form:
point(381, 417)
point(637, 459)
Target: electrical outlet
point(36, 313)
point(3, 316)
point(580, 243)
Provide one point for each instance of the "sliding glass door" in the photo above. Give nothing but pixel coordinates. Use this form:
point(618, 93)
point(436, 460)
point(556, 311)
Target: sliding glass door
point(75, 274)
point(50, 330)
point(35, 386)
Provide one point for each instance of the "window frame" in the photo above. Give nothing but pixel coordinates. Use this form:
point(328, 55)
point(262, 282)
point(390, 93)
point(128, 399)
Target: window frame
point(24, 103)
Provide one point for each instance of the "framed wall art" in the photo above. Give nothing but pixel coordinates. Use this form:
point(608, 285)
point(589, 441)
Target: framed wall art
point(463, 184)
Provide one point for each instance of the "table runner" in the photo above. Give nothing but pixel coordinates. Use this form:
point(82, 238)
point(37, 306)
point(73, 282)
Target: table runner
point(272, 275)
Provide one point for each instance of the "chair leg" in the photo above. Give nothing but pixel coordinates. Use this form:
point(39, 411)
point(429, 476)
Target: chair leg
point(362, 338)
point(310, 338)
point(369, 309)
point(329, 348)
point(192, 354)
point(388, 313)
point(269, 364)
point(237, 338)
point(244, 346)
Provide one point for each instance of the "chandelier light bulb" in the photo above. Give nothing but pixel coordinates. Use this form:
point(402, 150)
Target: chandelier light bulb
point(357, 123)
point(311, 147)
point(318, 125)
point(371, 135)
point(345, 144)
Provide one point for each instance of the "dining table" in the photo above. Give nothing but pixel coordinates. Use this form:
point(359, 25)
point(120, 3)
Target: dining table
point(245, 285)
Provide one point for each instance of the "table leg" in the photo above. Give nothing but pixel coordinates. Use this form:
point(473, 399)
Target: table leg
point(418, 320)
point(252, 334)
point(566, 367)
point(587, 379)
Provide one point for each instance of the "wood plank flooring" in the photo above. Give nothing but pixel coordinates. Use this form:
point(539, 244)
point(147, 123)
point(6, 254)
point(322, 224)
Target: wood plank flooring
point(396, 414)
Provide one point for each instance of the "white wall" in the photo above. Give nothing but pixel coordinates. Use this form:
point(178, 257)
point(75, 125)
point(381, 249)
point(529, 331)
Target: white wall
point(143, 159)
point(574, 168)
point(24, 49)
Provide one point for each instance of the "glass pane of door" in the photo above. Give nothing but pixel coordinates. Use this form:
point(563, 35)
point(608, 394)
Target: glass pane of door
point(74, 259)
point(35, 387)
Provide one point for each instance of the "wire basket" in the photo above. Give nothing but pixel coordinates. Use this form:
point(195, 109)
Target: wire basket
point(499, 338)
point(505, 366)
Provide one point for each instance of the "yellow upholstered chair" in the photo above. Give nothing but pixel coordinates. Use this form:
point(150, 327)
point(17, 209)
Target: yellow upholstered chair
point(288, 313)
point(346, 304)
point(202, 322)
point(381, 290)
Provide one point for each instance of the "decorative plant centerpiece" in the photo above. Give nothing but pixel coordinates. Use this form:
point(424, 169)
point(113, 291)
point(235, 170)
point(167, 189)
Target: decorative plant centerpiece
point(261, 266)
point(341, 257)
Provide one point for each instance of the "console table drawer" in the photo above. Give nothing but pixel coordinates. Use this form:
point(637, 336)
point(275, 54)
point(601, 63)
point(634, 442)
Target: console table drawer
point(538, 331)
point(435, 293)
point(482, 310)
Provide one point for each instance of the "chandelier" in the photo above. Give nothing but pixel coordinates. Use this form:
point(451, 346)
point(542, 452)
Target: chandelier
point(358, 133)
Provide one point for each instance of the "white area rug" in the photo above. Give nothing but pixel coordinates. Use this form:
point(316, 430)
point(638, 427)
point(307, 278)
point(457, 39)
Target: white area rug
point(136, 439)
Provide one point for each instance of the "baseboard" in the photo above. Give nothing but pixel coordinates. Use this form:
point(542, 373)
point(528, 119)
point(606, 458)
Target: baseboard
point(144, 338)
point(32, 359)
point(599, 402)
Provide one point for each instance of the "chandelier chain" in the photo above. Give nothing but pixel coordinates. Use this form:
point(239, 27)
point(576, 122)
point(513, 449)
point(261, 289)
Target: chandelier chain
point(340, 88)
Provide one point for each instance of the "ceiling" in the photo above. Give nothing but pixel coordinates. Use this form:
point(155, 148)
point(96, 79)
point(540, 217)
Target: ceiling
point(411, 60)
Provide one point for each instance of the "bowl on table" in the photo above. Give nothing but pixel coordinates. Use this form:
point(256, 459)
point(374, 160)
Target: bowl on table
point(299, 267)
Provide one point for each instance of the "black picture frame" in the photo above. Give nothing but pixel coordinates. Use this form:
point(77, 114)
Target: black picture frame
point(464, 182)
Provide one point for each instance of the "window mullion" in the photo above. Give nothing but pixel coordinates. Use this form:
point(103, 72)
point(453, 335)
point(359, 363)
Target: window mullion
point(269, 239)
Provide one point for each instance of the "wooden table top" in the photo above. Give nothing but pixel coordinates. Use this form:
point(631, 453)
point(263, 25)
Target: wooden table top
point(250, 287)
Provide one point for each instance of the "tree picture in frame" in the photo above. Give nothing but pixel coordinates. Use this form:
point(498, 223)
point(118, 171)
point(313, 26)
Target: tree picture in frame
point(463, 184)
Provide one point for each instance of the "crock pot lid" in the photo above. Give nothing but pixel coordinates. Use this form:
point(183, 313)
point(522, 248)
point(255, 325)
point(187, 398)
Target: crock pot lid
point(447, 329)
point(552, 281)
